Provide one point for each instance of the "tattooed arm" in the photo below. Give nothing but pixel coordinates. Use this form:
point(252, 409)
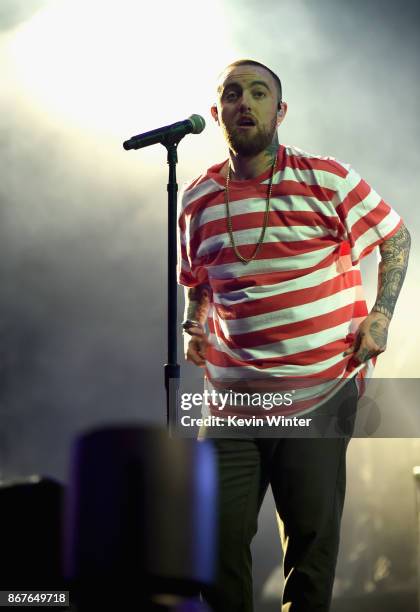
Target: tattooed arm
point(392, 269)
point(372, 334)
point(197, 303)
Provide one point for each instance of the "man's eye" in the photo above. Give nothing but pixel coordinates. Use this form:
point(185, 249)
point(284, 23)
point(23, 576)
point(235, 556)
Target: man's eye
point(232, 95)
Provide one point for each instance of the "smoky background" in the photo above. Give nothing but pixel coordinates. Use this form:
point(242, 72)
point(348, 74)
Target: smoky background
point(83, 225)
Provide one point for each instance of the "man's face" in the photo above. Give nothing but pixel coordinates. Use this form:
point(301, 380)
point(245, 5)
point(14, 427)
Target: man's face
point(247, 92)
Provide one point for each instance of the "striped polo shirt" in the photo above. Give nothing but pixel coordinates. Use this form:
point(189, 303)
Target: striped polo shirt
point(288, 315)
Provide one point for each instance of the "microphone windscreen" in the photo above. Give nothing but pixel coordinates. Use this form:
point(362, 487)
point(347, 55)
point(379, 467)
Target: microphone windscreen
point(198, 123)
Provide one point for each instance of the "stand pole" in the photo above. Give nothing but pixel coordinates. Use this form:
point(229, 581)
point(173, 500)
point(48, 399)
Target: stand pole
point(172, 368)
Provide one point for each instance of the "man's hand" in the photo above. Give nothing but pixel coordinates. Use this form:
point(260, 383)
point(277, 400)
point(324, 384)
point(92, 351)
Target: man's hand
point(195, 346)
point(372, 334)
point(197, 304)
point(370, 338)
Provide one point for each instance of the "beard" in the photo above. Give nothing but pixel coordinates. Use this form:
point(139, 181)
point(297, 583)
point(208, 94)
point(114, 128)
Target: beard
point(248, 143)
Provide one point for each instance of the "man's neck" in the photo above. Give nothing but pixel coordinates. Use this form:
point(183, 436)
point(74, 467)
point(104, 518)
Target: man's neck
point(245, 168)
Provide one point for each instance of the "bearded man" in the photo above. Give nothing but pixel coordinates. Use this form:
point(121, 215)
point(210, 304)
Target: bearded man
point(270, 242)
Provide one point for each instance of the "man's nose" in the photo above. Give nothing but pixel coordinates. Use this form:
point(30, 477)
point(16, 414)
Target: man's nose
point(246, 100)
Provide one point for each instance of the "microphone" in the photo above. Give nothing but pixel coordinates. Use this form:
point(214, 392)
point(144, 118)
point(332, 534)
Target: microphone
point(169, 133)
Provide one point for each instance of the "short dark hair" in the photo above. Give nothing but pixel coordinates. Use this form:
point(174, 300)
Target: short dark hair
point(246, 62)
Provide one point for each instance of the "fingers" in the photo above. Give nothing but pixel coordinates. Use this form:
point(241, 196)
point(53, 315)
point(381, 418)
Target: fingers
point(348, 351)
point(364, 354)
point(196, 349)
point(370, 340)
point(355, 346)
point(362, 350)
point(195, 357)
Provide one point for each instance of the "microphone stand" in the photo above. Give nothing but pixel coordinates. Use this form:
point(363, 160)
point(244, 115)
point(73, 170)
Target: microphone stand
point(172, 368)
point(170, 140)
point(170, 137)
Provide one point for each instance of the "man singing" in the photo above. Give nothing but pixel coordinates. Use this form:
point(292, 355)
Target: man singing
point(269, 247)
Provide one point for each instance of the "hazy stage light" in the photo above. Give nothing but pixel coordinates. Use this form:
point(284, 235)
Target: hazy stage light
point(119, 66)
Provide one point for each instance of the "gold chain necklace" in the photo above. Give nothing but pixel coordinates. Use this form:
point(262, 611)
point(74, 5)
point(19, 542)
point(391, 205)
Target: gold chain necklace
point(229, 218)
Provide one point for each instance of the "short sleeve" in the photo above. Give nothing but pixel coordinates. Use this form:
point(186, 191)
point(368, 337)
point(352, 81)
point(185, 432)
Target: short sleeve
point(188, 274)
point(367, 219)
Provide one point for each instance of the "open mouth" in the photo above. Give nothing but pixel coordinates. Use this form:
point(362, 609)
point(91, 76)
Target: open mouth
point(245, 126)
point(246, 122)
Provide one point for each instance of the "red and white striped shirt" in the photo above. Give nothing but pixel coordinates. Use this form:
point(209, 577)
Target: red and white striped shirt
point(291, 312)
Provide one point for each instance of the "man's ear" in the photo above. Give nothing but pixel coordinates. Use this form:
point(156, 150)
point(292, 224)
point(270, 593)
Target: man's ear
point(281, 112)
point(214, 113)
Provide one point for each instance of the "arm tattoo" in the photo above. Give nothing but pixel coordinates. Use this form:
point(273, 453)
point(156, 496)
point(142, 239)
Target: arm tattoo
point(379, 333)
point(197, 303)
point(392, 269)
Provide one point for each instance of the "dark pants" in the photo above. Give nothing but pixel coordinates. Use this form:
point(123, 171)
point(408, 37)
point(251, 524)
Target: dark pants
point(308, 480)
